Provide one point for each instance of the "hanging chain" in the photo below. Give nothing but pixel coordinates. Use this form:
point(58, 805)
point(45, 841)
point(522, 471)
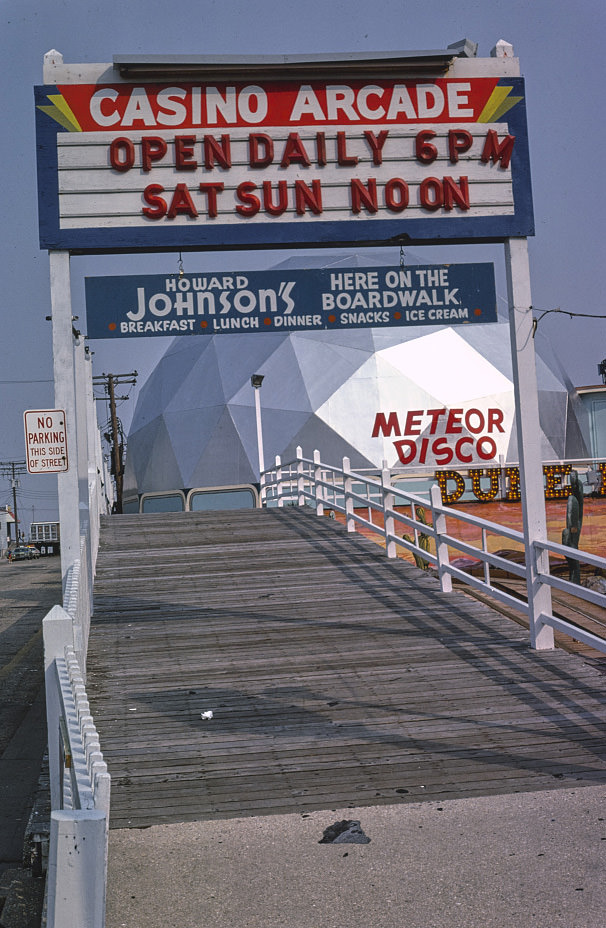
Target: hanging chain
point(401, 256)
point(181, 271)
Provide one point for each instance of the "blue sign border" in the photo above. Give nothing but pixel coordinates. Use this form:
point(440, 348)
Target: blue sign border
point(285, 301)
point(323, 233)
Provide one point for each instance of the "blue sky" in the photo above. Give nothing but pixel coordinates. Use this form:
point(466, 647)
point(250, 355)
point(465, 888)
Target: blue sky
point(560, 46)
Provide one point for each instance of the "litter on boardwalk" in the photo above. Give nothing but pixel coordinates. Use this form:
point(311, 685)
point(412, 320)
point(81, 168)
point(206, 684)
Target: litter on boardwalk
point(207, 715)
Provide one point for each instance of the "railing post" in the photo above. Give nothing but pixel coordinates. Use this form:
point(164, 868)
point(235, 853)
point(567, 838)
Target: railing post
point(318, 489)
point(347, 490)
point(485, 550)
point(439, 523)
point(77, 869)
point(388, 501)
point(94, 458)
point(502, 480)
point(102, 788)
point(279, 484)
point(300, 477)
point(57, 635)
point(81, 453)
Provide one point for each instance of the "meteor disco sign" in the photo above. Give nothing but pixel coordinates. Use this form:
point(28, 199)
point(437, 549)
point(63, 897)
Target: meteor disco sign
point(152, 166)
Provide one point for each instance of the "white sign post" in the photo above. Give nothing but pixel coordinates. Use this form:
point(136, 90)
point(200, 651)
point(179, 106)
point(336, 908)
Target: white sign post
point(65, 397)
point(46, 441)
point(529, 450)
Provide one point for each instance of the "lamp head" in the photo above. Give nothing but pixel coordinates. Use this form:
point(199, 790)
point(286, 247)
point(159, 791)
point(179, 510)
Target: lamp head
point(256, 380)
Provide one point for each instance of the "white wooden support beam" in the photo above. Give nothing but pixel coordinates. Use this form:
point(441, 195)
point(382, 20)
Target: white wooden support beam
point(65, 398)
point(521, 330)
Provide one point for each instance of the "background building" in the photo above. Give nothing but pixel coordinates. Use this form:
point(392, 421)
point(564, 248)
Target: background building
point(194, 424)
point(594, 400)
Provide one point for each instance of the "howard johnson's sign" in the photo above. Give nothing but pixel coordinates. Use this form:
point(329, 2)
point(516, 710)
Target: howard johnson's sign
point(290, 300)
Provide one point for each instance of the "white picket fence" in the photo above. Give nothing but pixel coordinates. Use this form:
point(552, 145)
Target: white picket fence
point(79, 779)
point(303, 481)
point(80, 788)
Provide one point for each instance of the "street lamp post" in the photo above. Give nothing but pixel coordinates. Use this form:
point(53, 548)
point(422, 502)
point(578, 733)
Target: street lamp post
point(256, 381)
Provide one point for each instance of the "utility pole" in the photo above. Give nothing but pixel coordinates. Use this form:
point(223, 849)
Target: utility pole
point(14, 469)
point(117, 445)
point(115, 436)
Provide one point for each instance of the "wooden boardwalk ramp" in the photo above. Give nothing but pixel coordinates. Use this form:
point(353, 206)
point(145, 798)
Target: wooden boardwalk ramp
point(335, 676)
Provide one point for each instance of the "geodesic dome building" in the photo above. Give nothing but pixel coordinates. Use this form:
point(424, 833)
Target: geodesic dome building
point(194, 423)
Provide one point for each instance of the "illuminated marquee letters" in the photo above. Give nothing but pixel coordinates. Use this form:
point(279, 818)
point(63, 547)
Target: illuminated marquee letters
point(140, 166)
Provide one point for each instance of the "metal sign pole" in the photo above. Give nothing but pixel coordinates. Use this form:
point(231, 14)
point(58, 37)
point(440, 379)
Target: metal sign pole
point(80, 369)
point(528, 432)
point(257, 389)
point(65, 398)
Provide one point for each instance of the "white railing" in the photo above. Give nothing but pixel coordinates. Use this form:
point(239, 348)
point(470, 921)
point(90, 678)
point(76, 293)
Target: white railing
point(79, 779)
point(304, 481)
point(78, 601)
point(79, 787)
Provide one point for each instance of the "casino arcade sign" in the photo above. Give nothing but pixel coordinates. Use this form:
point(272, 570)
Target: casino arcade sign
point(269, 162)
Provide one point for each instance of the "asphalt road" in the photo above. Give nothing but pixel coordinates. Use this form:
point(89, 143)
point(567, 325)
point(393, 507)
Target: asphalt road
point(28, 589)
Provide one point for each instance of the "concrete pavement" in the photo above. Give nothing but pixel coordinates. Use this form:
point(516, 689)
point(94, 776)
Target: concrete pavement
point(28, 589)
point(528, 860)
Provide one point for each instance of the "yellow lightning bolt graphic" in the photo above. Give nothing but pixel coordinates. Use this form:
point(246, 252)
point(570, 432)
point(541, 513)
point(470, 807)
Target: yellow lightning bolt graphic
point(498, 104)
point(60, 111)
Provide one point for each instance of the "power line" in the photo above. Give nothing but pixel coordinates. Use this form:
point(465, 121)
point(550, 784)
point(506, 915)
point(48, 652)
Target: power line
point(567, 312)
point(545, 312)
point(564, 312)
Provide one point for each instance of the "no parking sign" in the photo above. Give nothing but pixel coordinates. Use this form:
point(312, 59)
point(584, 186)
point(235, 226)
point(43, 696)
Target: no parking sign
point(45, 441)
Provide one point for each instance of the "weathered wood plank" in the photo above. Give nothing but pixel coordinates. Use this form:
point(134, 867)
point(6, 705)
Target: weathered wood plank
point(336, 677)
